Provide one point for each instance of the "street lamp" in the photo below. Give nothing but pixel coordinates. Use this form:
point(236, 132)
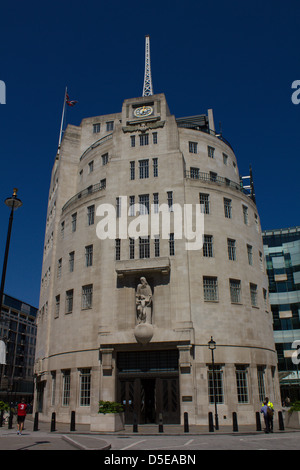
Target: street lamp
point(212, 346)
point(14, 203)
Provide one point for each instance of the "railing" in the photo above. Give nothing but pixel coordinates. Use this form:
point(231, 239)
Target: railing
point(212, 178)
point(197, 127)
point(96, 144)
point(85, 192)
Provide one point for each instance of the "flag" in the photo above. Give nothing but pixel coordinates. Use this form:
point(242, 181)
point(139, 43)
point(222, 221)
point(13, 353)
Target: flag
point(70, 102)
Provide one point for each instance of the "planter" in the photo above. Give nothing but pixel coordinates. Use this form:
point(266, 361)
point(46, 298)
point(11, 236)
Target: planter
point(108, 422)
point(293, 419)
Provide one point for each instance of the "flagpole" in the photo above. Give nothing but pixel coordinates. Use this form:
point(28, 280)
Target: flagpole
point(62, 121)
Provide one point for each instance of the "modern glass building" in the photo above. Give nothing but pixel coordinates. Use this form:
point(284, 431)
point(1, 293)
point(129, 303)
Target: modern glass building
point(282, 253)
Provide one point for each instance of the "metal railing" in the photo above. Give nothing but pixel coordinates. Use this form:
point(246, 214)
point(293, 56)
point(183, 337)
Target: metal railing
point(85, 192)
point(220, 180)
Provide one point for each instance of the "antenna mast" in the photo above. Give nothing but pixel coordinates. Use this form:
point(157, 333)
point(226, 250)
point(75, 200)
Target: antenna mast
point(147, 89)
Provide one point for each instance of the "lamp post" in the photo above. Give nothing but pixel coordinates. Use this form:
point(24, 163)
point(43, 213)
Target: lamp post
point(212, 346)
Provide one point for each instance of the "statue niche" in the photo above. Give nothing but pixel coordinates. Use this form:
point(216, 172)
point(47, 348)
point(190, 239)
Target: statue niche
point(143, 331)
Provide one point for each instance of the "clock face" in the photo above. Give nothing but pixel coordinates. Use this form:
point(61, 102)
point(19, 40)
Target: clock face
point(143, 111)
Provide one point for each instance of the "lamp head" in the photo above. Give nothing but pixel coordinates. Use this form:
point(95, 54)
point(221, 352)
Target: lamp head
point(212, 344)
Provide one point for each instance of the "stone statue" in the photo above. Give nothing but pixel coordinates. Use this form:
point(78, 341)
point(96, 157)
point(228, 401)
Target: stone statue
point(144, 302)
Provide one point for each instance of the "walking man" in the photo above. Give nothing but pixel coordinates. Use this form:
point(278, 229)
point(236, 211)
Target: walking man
point(22, 408)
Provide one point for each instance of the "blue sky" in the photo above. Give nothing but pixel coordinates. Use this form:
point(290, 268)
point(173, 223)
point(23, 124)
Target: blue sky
point(238, 57)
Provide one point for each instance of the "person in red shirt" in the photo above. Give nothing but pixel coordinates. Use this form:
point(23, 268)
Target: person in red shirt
point(22, 407)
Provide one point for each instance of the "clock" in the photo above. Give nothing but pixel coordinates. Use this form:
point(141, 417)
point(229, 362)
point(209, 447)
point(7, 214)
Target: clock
point(143, 111)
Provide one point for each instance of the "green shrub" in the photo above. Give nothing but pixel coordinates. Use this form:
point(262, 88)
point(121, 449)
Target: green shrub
point(4, 406)
point(295, 407)
point(110, 407)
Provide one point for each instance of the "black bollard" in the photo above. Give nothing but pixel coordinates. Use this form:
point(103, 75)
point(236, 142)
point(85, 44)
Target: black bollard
point(258, 423)
point(52, 429)
point(210, 422)
point(36, 421)
point(135, 426)
point(72, 424)
point(186, 421)
point(280, 421)
point(235, 427)
point(160, 423)
point(10, 419)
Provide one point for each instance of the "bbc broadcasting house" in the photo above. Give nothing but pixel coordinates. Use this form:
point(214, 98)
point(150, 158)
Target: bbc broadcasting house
point(129, 319)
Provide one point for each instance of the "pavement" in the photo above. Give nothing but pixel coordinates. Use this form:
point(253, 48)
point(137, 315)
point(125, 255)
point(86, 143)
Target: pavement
point(83, 439)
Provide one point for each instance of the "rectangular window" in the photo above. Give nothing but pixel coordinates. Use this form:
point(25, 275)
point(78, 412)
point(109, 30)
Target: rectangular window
point(245, 214)
point(87, 296)
point(109, 126)
point(213, 176)
point(250, 255)
point(91, 167)
point(96, 128)
point(74, 222)
point(71, 261)
point(253, 294)
point(66, 387)
point(144, 169)
point(103, 183)
point(261, 263)
point(57, 305)
point(194, 173)
point(208, 246)
point(265, 299)
point(89, 255)
point(193, 147)
point(62, 229)
point(131, 248)
point(91, 215)
point(117, 249)
point(210, 288)
point(225, 158)
point(59, 268)
point(118, 206)
point(104, 159)
point(132, 170)
point(144, 139)
point(53, 387)
point(170, 200)
point(156, 246)
point(210, 151)
point(144, 247)
point(69, 301)
point(242, 384)
point(235, 290)
point(155, 167)
point(144, 204)
point(171, 245)
point(205, 205)
point(227, 208)
point(261, 383)
point(215, 385)
point(85, 387)
point(155, 203)
point(131, 205)
point(231, 249)
point(154, 138)
point(132, 140)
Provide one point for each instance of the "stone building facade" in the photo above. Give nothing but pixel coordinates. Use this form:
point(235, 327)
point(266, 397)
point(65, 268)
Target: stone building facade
point(99, 336)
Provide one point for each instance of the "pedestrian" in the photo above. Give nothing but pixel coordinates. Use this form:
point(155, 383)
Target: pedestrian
point(22, 408)
point(270, 412)
point(264, 410)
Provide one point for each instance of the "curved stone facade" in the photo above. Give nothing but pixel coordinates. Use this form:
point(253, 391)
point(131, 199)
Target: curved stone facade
point(92, 343)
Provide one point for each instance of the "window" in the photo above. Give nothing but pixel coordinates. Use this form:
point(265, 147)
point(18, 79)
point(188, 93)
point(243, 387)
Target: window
point(235, 290)
point(62, 230)
point(253, 294)
point(242, 384)
point(69, 301)
point(144, 169)
point(208, 246)
point(87, 296)
point(131, 248)
point(132, 170)
point(57, 305)
point(194, 173)
point(59, 267)
point(117, 249)
point(227, 208)
point(104, 159)
point(131, 205)
point(109, 126)
point(225, 158)
point(261, 383)
point(118, 206)
point(193, 147)
point(265, 299)
point(154, 137)
point(89, 255)
point(74, 222)
point(96, 128)
point(204, 201)
point(256, 222)
point(53, 387)
point(91, 167)
point(231, 249)
point(103, 183)
point(215, 385)
point(71, 261)
point(250, 255)
point(155, 167)
point(155, 203)
point(144, 247)
point(132, 140)
point(213, 176)
point(144, 204)
point(144, 139)
point(170, 200)
point(245, 214)
point(91, 215)
point(210, 151)
point(156, 246)
point(85, 387)
point(66, 388)
point(261, 263)
point(171, 245)
point(210, 288)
